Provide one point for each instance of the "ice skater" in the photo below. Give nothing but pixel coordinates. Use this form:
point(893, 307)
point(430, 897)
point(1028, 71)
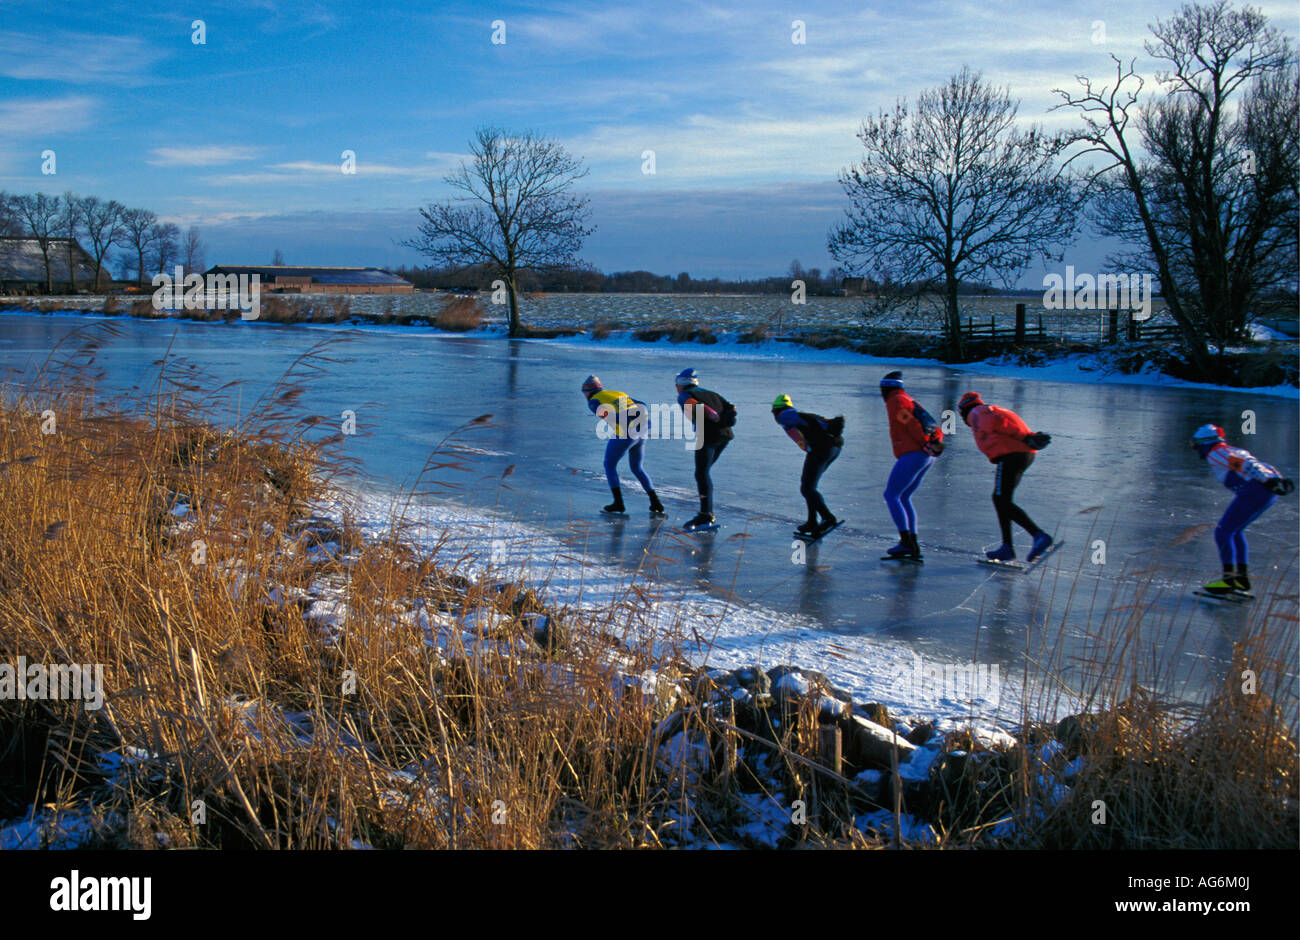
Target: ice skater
point(821, 439)
point(715, 432)
point(1255, 484)
point(1008, 443)
point(917, 440)
point(630, 422)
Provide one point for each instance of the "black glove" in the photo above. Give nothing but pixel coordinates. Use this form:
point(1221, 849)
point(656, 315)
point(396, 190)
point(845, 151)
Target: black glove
point(1281, 486)
point(1038, 440)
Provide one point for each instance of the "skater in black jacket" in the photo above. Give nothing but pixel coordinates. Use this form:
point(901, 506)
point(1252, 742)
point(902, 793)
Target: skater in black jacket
point(821, 439)
point(716, 417)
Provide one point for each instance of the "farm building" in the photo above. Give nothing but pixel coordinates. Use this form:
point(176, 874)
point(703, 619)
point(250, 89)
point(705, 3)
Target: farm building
point(22, 265)
point(286, 279)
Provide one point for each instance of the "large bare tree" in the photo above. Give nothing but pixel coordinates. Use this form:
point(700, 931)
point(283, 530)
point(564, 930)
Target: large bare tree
point(1200, 179)
point(102, 222)
point(517, 211)
point(138, 235)
point(39, 215)
point(952, 191)
point(166, 238)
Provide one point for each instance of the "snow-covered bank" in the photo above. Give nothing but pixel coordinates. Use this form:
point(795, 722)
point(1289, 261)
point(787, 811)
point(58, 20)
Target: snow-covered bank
point(712, 631)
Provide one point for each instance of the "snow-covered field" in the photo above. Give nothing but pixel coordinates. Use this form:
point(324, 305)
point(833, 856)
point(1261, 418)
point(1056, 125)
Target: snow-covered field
point(719, 312)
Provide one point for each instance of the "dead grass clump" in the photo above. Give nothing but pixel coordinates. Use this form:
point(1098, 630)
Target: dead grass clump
point(677, 331)
point(460, 315)
point(274, 309)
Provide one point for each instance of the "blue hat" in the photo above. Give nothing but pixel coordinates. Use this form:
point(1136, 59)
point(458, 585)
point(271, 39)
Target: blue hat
point(1207, 435)
point(687, 377)
point(893, 380)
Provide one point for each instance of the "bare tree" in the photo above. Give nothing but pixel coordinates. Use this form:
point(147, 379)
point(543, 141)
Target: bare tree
point(192, 250)
point(952, 192)
point(39, 215)
point(517, 214)
point(70, 227)
point(166, 245)
point(138, 235)
point(277, 259)
point(102, 221)
point(1212, 205)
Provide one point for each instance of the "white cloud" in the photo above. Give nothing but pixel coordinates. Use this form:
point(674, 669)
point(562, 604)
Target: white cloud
point(710, 147)
point(76, 58)
point(310, 171)
point(200, 156)
point(43, 117)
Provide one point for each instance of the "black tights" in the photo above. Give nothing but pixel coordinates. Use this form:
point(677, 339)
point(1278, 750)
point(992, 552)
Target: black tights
point(704, 458)
point(1010, 468)
point(814, 465)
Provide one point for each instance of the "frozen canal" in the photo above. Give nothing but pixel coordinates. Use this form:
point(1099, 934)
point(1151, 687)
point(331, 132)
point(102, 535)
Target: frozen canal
point(1118, 472)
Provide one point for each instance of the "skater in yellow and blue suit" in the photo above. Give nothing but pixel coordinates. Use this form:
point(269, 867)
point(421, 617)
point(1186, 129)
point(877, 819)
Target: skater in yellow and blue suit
point(630, 423)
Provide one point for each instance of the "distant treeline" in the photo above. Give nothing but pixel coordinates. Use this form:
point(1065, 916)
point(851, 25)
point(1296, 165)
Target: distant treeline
point(588, 280)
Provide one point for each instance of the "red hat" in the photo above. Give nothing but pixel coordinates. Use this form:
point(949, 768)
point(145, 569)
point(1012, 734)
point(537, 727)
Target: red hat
point(969, 401)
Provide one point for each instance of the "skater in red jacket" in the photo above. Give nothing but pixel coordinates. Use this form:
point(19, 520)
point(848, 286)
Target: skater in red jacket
point(1009, 444)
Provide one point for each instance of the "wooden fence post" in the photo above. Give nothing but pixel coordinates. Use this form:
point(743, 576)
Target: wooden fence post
point(1020, 324)
point(1112, 326)
point(829, 746)
point(1131, 327)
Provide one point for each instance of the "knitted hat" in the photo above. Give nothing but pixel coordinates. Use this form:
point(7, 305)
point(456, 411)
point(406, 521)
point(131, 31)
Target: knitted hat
point(687, 377)
point(781, 403)
point(1208, 434)
point(591, 384)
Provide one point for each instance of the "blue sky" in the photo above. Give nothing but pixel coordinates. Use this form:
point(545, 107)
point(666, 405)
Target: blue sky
point(243, 135)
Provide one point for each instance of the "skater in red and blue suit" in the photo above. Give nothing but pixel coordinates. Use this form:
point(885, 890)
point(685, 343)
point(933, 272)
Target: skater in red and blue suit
point(1255, 485)
point(1004, 438)
point(629, 422)
point(917, 440)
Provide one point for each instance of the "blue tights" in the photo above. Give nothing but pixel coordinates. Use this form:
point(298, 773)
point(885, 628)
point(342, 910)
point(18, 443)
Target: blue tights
point(614, 451)
point(906, 476)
